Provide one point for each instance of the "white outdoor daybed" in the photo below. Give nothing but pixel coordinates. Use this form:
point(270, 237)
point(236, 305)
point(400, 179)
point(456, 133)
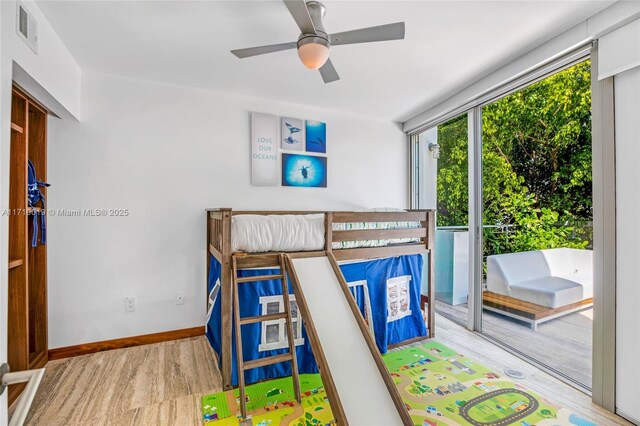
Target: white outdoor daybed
point(537, 286)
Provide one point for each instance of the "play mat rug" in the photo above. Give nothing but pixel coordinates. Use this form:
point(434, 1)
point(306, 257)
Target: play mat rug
point(438, 386)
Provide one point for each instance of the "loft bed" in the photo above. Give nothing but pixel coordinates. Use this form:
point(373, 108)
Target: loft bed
point(255, 239)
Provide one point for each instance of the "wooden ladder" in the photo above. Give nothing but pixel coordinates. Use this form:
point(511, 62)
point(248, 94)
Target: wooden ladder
point(238, 322)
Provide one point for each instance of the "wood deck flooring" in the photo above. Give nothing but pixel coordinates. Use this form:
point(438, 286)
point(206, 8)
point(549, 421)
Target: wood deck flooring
point(564, 344)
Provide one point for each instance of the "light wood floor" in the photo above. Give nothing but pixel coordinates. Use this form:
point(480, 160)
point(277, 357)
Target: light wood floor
point(162, 384)
point(481, 350)
point(564, 344)
point(159, 384)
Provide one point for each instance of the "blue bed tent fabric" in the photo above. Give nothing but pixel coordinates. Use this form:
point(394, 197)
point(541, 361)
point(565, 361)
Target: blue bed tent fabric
point(375, 272)
point(249, 294)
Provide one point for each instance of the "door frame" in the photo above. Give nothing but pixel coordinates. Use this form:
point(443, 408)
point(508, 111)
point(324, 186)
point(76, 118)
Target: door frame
point(603, 387)
point(474, 304)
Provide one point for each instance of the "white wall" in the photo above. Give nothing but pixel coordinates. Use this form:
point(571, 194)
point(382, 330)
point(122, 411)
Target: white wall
point(619, 50)
point(167, 153)
point(54, 76)
point(627, 104)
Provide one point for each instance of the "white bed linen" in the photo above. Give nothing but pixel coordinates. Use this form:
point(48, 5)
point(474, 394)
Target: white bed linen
point(255, 233)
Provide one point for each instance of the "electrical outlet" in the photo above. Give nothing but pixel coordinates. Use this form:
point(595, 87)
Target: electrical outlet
point(129, 304)
point(180, 298)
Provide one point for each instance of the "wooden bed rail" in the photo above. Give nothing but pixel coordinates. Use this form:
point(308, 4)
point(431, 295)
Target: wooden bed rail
point(408, 216)
point(423, 217)
point(422, 238)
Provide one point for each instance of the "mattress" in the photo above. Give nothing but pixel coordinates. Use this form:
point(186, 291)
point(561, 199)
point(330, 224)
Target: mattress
point(288, 233)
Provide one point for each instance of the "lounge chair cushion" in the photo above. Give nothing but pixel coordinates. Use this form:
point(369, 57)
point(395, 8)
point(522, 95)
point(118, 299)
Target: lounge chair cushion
point(552, 292)
point(552, 278)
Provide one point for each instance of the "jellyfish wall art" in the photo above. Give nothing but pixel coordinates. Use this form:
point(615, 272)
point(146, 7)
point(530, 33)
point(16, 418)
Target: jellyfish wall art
point(304, 170)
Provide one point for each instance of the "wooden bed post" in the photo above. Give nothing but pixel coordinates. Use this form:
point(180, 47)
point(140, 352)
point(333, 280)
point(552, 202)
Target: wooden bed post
point(431, 239)
point(328, 232)
point(226, 301)
point(208, 260)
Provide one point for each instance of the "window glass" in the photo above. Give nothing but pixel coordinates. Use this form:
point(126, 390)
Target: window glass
point(538, 222)
point(273, 307)
point(295, 332)
point(273, 333)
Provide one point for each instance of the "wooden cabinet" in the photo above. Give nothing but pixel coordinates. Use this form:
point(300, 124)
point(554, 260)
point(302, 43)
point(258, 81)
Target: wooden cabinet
point(27, 334)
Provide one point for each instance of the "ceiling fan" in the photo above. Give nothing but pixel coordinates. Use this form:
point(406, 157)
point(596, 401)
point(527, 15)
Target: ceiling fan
point(314, 42)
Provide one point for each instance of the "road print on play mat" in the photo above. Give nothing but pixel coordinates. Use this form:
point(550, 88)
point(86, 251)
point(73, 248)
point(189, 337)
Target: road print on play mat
point(438, 386)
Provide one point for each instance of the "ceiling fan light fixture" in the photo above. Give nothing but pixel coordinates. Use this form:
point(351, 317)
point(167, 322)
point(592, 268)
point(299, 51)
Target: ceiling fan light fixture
point(315, 42)
point(313, 52)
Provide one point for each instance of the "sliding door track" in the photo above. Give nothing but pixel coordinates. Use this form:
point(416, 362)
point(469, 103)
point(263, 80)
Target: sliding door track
point(536, 363)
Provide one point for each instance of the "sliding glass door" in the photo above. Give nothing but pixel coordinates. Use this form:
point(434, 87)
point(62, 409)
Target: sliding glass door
point(443, 170)
point(511, 182)
point(537, 222)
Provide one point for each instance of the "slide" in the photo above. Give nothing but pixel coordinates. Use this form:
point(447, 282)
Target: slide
point(363, 393)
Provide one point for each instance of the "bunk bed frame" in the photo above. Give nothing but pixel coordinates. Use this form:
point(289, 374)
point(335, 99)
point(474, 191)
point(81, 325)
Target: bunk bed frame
point(219, 246)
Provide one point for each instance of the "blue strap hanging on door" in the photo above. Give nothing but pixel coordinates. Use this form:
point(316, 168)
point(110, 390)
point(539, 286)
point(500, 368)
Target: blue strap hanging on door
point(34, 196)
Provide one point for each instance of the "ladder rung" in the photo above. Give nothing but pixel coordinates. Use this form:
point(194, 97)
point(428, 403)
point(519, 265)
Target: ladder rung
point(260, 278)
point(261, 362)
point(261, 318)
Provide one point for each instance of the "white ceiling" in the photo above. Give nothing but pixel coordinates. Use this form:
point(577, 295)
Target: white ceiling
point(448, 44)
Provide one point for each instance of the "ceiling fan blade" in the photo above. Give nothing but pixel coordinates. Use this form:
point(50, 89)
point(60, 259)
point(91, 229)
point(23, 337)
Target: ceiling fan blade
point(328, 72)
point(369, 34)
point(261, 50)
point(300, 13)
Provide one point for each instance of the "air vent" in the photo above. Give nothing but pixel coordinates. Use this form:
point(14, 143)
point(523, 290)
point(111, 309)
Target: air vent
point(26, 27)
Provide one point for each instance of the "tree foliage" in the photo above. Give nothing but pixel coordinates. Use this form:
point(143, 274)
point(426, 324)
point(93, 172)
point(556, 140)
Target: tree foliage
point(453, 196)
point(536, 163)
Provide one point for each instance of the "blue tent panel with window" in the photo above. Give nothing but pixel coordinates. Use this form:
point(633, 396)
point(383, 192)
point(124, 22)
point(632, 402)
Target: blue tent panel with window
point(389, 301)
